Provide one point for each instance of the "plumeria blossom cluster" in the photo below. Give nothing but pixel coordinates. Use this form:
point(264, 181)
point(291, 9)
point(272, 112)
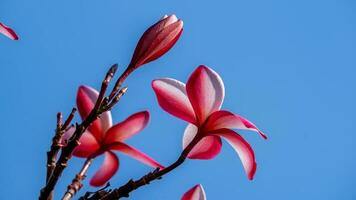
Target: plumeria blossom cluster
point(197, 102)
point(102, 137)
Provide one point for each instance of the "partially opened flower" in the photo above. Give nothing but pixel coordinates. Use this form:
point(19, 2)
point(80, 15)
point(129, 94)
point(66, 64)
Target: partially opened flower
point(199, 103)
point(8, 32)
point(156, 41)
point(195, 193)
point(102, 137)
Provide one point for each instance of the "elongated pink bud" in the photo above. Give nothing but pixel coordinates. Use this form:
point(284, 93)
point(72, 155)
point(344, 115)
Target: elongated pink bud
point(156, 41)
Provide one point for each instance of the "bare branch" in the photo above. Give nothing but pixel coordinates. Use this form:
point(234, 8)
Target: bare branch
point(76, 184)
point(105, 85)
point(56, 144)
point(73, 142)
point(132, 185)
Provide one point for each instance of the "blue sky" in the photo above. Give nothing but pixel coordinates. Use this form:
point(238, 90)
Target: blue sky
point(288, 66)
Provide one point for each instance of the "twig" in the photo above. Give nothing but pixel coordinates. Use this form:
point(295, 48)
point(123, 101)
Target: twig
point(76, 184)
point(97, 194)
point(132, 185)
point(105, 85)
point(117, 98)
point(56, 143)
point(120, 80)
point(69, 119)
point(73, 142)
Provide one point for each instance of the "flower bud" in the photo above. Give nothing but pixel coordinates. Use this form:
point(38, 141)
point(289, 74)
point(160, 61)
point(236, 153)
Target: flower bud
point(157, 40)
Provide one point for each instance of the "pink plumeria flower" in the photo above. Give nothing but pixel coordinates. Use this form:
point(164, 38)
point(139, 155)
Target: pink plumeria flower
point(102, 137)
point(8, 32)
point(195, 193)
point(199, 103)
point(156, 41)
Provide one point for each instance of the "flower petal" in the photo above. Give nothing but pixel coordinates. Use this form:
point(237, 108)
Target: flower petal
point(127, 128)
point(242, 148)
point(195, 193)
point(172, 98)
point(207, 148)
point(205, 91)
point(136, 154)
point(88, 144)
point(225, 119)
point(106, 171)
point(86, 98)
point(8, 32)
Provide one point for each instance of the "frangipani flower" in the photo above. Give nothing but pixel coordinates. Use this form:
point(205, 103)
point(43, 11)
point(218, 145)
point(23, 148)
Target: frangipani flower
point(102, 137)
point(8, 32)
point(199, 103)
point(156, 41)
point(195, 193)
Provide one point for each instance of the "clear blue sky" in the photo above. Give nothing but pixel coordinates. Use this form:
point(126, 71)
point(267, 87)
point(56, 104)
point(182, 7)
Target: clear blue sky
point(288, 66)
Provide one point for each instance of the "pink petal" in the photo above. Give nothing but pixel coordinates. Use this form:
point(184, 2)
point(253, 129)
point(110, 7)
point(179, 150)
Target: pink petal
point(195, 193)
point(172, 98)
point(207, 148)
point(86, 98)
point(225, 119)
point(136, 154)
point(129, 127)
point(87, 147)
point(242, 148)
point(205, 91)
point(8, 32)
point(88, 144)
point(106, 171)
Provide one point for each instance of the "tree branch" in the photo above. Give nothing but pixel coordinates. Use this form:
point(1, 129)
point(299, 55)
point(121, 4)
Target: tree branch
point(56, 143)
point(132, 185)
point(73, 142)
point(76, 184)
point(120, 80)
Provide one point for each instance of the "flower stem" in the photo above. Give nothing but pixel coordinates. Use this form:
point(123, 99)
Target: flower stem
point(132, 185)
point(76, 184)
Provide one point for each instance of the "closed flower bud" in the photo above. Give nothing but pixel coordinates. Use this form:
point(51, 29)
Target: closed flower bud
point(156, 41)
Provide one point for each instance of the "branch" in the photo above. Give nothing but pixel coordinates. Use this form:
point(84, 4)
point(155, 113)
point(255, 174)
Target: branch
point(120, 80)
point(76, 184)
point(105, 85)
point(132, 185)
point(73, 142)
point(96, 195)
point(56, 143)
